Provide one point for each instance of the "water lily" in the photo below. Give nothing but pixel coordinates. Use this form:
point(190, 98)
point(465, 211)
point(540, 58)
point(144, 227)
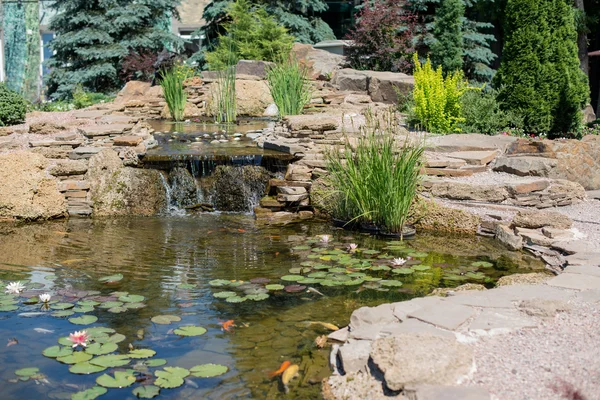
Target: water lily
point(44, 298)
point(79, 338)
point(352, 246)
point(398, 261)
point(15, 288)
point(325, 238)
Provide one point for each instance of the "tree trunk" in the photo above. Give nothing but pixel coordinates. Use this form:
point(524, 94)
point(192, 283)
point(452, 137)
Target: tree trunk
point(582, 42)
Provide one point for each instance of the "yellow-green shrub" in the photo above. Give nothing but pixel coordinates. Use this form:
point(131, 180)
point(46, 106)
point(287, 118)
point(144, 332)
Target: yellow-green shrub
point(437, 99)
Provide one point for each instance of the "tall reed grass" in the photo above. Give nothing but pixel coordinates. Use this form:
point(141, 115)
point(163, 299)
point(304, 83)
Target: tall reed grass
point(171, 82)
point(289, 85)
point(225, 96)
point(376, 182)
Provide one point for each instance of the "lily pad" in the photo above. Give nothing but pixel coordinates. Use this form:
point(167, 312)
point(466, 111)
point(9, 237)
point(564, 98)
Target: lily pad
point(88, 303)
point(224, 295)
point(27, 372)
point(141, 353)
point(99, 331)
point(84, 320)
point(111, 304)
point(76, 357)
point(390, 283)
point(274, 287)
point(146, 392)
point(294, 288)
point(292, 278)
point(186, 286)
point(85, 368)
point(301, 248)
point(208, 370)
point(370, 252)
point(82, 309)
point(482, 264)
point(380, 268)
point(62, 306)
point(63, 313)
point(235, 299)
point(421, 267)
point(171, 377)
point(402, 271)
point(257, 297)
point(111, 278)
point(418, 254)
point(118, 310)
point(119, 380)
point(132, 298)
point(8, 308)
point(133, 306)
point(116, 338)
point(57, 351)
point(111, 360)
point(98, 349)
point(89, 394)
point(165, 319)
point(190, 331)
point(219, 282)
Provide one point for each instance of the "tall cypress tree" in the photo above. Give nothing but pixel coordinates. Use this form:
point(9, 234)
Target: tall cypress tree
point(539, 76)
point(447, 49)
point(92, 36)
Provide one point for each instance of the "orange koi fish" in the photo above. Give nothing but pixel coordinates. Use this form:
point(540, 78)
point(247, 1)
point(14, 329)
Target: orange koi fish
point(283, 367)
point(227, 325)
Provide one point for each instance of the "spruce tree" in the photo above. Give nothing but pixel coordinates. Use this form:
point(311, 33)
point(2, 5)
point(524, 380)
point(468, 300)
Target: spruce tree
point(539, 76)
point(447, 49)
point(92, 37)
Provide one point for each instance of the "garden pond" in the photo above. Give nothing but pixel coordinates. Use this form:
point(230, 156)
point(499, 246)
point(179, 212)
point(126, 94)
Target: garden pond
point(204, 306)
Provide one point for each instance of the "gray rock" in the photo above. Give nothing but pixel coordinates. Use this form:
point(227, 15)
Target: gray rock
point(507, 237)
point(354, 355)
point(449, 316)
point(502, 320)
point(466, 191)
point(526, 165)
point(412, 359)
point(543, 308)
point(586, 258)
point(383, 314)
point(291, 190)
point(575, 246)
point(575, 281)
point(533, 219)
point(341, 335)
point(253, 68)
point(68, 167)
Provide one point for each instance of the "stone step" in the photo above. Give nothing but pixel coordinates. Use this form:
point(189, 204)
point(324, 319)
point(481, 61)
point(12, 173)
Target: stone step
point(73, 185)
point(127, 140)
point(68, 167)
point(84, 152)
point(104, 130)
point(55, 143)
point(448, 172)
point(474, 157)
point(76, 194)
point(90, 114)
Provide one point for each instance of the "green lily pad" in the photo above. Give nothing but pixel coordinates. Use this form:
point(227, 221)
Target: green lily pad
point(165, 319)
point(186, 286)
point(119, 380)
point(134, 306)
point(76, 357)
point(295, 270)
point(224, 295)
point(8, 308)
point(208, 370)
point(318, 274)
point(301, 248)
point(85, 368)
point(257, 297)
point(99, 331)
point(475, 275)
point(111, 278)
point(111, 360)
point(390, 283)
point(82, 309)
point(274, 287)
point(219, 282)
point(421, 267)
point(482, 264)
point(64, 313)
point(402, 271)
point(155, 362)
point(370, 252)
point(28, 372)
point(62, 306)
point(88, 303)
point(329, 282)
point(308, 281)
point(418, 254)
point(65, 341)
point(353, 282)
point(116, 338)
point(132, 298)
point(292, 278)
point(235, 299)
point(84, 320)
point(89, 394)
point(337, 270)
point(190, 331)
point(454, 277)
point(57, 351)
point(141, 353)
point(171, 377)
point(118, 310)
point(98, 349)
point(146, 392)
point(111, 304)
point(380, 268)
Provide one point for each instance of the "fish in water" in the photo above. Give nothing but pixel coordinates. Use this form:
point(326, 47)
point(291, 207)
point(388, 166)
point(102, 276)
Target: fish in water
point(12, 342)
point(31, 314)
point(281, 370)
point(313, 290)
point(42, 330)
point(225, 326)
point(290, 373)
point(326, 325)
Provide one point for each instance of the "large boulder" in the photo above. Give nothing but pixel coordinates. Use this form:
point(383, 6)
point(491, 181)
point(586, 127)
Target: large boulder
point(190, 111)
point(428, 215)
point(466, 191)
point(320, 63)
point(119, 190)
point(255, 68)
point(26, 190)
point(383, 87)
point(132, 90)
point(252, 97)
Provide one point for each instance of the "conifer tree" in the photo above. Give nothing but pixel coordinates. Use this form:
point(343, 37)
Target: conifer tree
point(447, 48)
point(92, 37)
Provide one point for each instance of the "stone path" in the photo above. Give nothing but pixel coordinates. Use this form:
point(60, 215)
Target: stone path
point(423, 348)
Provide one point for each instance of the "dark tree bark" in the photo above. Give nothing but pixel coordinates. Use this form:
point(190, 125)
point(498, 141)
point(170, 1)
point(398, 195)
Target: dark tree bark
point(582, 42)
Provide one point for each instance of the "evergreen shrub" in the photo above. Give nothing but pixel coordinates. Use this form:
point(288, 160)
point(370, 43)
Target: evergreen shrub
point(13, 107)
point(447, 49)
point(482, 113)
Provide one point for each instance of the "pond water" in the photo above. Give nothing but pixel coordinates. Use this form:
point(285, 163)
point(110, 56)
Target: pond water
point(178, 264)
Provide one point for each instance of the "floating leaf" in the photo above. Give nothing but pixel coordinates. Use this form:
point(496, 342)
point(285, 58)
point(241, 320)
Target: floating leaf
point(82, 309)
point(111, 360)
point(84, 320)
point(111, 304)
point(65, 341)
point(257, 297)
point(98, 349)
point(380, 268)
point(274, 287)
point(117, 310)
point(186, 286)
point(418, 254)
point(235, 299)
point(171, 377)
point(318, 274)
point(8, 308)
point(402, 271)
point(85, 368)
point(295, 270)
point(89, 394)
point(99, 331)
point(301, 248)
point(190, 331)
point(165, 319)
point(88, 303)
point(111, 278)
point(62, 306)
point(292, 278)
point(116, 338)
point(155, 362)
point(224, 295)
point(76, 357)
point(219, 282)
point(482, 264)
point(146, 392)
point(119, 380)
point(57, 351)
point(260, 280)
point(134, 306)
point(141, 353)
point(421, 267)
point(64, 313)
point(208, 370)
point(294, 288)
point(390, 283)
point(370, 252)
point(28, 372)
point(308, 281)
point(132, 298)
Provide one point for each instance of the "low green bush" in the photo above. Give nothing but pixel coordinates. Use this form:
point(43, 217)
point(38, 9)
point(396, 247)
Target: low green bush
point(83, 98)
point(290, 87)
point(482, 113)
point(13, 107)
point(171, 82)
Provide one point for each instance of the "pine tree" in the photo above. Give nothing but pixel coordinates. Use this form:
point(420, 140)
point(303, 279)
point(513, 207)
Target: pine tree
point(539, 76)
point(447, 49)
point(94, 35)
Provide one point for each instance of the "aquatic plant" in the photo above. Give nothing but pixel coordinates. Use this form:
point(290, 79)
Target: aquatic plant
point(14, 288)
point(45, 297)
point(398, 261)
point(352, 247)
point(225, 96)
point(376, 182)
point(171, 82)
point(324, 238)
point(289, 85)
point(79, 338)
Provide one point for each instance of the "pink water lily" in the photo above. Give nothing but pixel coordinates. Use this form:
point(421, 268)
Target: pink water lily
point(325, 238)
point(352, 246)
point(79, 338)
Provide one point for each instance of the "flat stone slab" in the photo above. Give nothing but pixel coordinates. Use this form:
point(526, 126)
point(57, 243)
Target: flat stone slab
point(501, 320)
point(448, 316)
point(589, 296)
point(382, 314)
point(469, 142)
point(575, 246)
point(128, 140)
point(433, 392)
point(90, 114)
point(104, 130)
point(530, 292)
point(403, 308)
point(437, 160)
point(474, 157)
point(583, 259)
point(354, 355)
point(593, 194)
point(575, 281)
point(448, 172)
point(584, 270)
point(88, 150)
point(377, 331)
point(486, 299)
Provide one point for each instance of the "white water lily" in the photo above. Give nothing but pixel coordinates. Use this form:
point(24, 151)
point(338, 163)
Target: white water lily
point(352, 246)
point(398, 261)
point(14, 288)
point(44, 298)
point(325, 238)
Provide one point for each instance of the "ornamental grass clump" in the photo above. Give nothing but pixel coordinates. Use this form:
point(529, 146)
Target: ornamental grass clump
point(375, 182)
point(225, 96)
point(438, 99)
point(171, 82)
point(290, 87)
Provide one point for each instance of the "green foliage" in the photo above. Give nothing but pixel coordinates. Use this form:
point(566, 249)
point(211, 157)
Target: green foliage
point(376, 182)
point(12, 107)
point(251, 34)
point(482, 113)
point(83, 99)
point(171, 82)
point(539, 77)
point(290, 87)
point(447, 49)
point(438, 99)
point(225, 96)
point(93, 36)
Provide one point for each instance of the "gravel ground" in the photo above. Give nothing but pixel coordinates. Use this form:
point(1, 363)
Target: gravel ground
point(494, 178)
point(558, 360)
